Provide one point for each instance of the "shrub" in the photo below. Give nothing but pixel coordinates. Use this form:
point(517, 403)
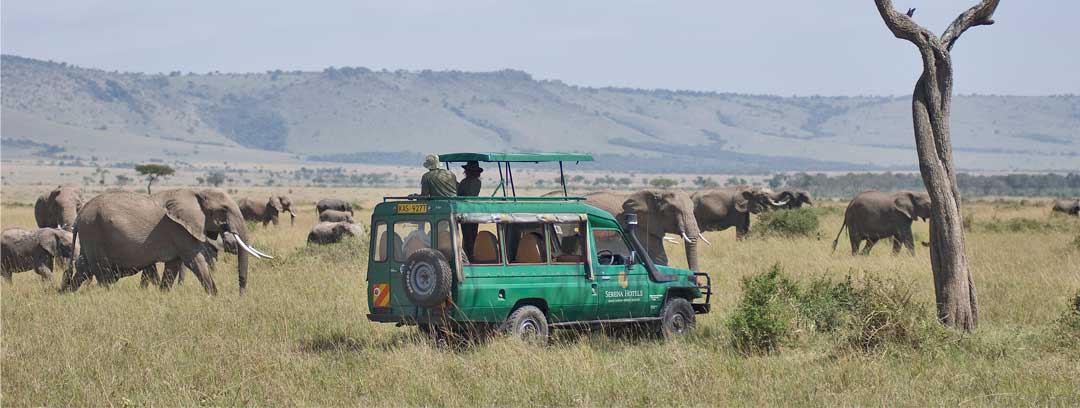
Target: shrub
point(826, 305)
point(885, 313)
point(1070, 320)
point(763, 317)
point(787, 223)
point(1016, 225)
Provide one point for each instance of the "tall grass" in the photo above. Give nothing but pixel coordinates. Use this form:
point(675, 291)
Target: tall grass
point(299, 336)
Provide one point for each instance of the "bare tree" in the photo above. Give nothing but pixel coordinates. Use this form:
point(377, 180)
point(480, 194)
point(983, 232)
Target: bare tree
point(930, 106)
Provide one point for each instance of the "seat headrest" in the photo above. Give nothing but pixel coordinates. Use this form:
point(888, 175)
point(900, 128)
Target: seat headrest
point(486, 248)
point(528, 250)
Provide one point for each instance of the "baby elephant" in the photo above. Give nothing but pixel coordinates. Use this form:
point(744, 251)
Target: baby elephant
point(23, 250)
point(335, 216)
point(333, 232)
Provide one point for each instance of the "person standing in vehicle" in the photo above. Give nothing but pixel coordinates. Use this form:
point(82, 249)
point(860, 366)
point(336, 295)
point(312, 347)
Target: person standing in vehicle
point(470, 187)
point(437, 182)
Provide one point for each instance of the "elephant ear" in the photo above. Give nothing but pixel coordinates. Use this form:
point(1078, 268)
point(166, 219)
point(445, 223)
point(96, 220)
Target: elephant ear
point(905, 205)
point(185, 208)
point(805, 197)
point(742, 200)
point(49, 241)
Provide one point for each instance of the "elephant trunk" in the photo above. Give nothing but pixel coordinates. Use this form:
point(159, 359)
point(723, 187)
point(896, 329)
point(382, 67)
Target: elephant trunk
point(690, 232)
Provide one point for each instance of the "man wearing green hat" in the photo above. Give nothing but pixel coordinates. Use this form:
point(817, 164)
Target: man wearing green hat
point(437, 182)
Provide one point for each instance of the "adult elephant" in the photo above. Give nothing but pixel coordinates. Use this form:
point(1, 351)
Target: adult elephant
point(22, 250)
point(211, 249)
point(1071, 207)
point(333, 204)
point(874, 215)
point(58, 208)
point(722, 208)
point(659, 212)
point(265, 213)
point(791, 199)
point(333, 232)
point(122, 233)
point(335, 216)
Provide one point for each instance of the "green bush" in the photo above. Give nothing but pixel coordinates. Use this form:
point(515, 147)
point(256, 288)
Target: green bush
point(886, 313)
point(1070, 320)
point(825, 305)
point(764, 316)
point(1028, 225)
point(787, 223)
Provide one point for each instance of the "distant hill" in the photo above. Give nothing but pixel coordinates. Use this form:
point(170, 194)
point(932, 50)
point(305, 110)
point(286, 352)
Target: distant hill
point(358, 115)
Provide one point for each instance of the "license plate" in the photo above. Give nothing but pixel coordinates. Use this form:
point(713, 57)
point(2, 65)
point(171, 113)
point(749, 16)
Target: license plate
point(411, 208)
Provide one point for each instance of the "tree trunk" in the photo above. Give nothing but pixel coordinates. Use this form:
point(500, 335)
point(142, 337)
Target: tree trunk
point(954, 288)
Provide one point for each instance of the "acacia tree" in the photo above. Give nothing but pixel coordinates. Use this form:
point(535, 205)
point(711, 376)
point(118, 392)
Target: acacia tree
point(954, 288)
point(153, 172)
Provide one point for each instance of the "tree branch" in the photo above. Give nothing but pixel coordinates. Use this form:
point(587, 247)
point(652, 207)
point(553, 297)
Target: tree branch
point(980, 14)
point(900, 24)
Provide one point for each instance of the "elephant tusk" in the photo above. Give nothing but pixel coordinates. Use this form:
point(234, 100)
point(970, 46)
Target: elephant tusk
point(254, 252)
point(703, 239)
point(687, 238)
point(780, 203)
point(670, 239)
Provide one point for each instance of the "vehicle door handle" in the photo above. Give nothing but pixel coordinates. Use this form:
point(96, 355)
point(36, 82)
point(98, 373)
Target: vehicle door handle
point(605, 278)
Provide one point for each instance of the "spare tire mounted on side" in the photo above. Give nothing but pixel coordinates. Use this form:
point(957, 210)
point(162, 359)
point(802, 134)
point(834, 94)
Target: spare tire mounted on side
point(426, 277)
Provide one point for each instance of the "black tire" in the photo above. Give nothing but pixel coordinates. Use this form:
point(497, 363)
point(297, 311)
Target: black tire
point(676, 318)
point(426, 277)
point(527, 323)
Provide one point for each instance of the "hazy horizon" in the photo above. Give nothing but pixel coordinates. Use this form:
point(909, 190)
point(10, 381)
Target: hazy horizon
point(836, 49)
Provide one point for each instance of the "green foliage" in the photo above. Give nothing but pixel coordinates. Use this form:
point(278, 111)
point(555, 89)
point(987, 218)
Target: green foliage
point(826, 304)
point(763, 318)
point(886, 313)
point(787, 223)
point(215, 178)
point(663, 183)
point(155, 170)
point(702, 182)
point(1070, 319)
point(1021, 224)
point(971, 185)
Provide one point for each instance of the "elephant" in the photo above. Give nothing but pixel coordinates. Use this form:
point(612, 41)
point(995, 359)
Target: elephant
point(792, 199)
point(266, 213)
point(874, 215)
point(22, 250)
point(1071, 207)
point(335, 216)
point(58, 208)
point(333, 232)
point(721, 208)
point(123, 233)
point(211, 249)
point(333, 204)
point(659, 212)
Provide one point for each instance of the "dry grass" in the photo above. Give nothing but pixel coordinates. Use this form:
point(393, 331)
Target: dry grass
point(299, 337)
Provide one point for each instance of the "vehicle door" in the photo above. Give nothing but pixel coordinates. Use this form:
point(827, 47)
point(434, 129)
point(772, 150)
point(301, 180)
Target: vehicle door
point(407, 235)
point(620, 277)
point(576, 292)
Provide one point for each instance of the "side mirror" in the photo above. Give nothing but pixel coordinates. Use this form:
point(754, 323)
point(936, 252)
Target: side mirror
point(631, 260)
point(631, 222)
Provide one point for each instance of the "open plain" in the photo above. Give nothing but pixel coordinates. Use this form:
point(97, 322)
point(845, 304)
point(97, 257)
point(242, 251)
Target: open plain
point(299, 335)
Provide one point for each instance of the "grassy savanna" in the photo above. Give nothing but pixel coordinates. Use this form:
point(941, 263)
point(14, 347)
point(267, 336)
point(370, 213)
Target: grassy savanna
point(299, 335)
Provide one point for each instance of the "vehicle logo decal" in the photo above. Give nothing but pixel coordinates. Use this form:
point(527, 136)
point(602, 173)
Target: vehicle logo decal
point(624, 281)
point(380, 293)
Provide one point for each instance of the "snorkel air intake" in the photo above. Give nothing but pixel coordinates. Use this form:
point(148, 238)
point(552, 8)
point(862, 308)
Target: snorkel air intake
point(654, 274)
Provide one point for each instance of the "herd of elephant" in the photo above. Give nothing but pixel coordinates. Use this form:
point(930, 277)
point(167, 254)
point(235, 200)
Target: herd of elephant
point(119, 234)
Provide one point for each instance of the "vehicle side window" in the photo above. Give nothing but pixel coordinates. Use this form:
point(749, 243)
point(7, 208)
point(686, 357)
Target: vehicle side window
point(611, 249)
point(413, 235)
point(485, 248)
point(380, 236)
point(525, 243)
point(443, 240)
point(567, 245)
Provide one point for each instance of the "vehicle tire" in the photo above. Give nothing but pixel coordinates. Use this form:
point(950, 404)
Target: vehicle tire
point(676, 318)
point(527, 323)
point(426, 277)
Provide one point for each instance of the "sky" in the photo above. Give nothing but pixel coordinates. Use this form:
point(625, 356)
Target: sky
point(787, 47)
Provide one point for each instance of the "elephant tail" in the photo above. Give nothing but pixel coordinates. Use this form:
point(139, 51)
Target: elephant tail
point(837, 239)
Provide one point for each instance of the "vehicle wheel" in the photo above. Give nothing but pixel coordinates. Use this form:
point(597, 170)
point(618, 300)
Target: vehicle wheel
point(527, 323)
point(426, 277)
point(676, 318)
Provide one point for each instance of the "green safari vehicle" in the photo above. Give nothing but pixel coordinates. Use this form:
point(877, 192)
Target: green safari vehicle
point(523, 265)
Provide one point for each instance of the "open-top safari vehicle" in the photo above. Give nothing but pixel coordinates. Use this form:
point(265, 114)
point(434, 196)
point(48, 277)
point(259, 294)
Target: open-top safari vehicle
point(520, 264)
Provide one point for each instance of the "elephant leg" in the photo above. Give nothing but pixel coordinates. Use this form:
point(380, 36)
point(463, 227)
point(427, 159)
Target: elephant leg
point(149, 276)
point(172, 268)
point(907, 239)
point(895, 245)
point(202, 273)
point(855, 240)
point(869, 245)
point(7, 275)
point(44, 268)
point(75, 276)
point(742, 226)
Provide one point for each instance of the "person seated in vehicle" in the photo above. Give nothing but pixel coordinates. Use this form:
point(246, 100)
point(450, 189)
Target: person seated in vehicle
point(437, 182)
point(469, 187)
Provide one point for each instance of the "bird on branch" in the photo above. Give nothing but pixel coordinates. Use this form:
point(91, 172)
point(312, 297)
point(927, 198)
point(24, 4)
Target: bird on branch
point(911, 12)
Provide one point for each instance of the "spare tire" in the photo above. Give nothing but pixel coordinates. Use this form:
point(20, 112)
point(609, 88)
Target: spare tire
point(426, 277)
